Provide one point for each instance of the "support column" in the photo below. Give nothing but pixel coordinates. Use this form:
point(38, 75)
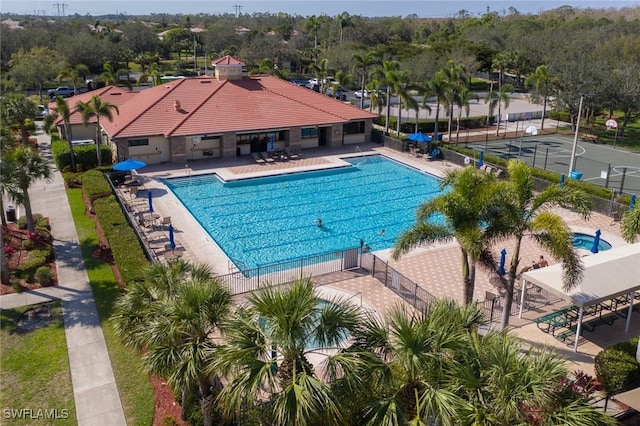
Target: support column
point(578, 329)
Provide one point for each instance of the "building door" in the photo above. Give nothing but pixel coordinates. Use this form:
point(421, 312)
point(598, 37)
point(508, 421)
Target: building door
point(322, 136)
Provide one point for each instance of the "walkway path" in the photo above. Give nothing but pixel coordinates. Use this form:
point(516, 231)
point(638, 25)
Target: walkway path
point(94, 388)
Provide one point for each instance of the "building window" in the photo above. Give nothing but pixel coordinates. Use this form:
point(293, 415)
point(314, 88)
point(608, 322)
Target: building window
point(138, 142)
point(309, 132)
point(353, 128)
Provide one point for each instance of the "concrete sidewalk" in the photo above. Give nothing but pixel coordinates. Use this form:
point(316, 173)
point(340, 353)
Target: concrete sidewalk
point(94, 388)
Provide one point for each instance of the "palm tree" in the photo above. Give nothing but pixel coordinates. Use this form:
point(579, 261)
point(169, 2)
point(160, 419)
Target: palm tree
point(174, 316)
point(74, 74)
point(462, 102)
point(362, 61)
point(438, 87)
point(24, 167)
point(96, 108)
point(527, 213)
point(63, 110)
point(153, 73)
point(456, 79)
point(498, 99)
point(469, 217)
point(313, 24)
point(425, 92)
point(503, 386)
point(265, 357)
point(542, 81)
point(630, 225)
point(376, 96)
point(111, 76)
point(16, 109)
point(402, 90)
point(417, 349)
point(345, 21)
point(387, 75)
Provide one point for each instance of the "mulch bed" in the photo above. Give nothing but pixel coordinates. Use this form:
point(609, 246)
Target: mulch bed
point(16, 237)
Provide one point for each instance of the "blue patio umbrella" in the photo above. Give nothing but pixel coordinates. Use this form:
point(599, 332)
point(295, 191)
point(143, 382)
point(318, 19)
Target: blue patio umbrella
point(270, 142)
point(128, 165)
point(481, 159)
point(150, 196)
point(419, 137)
point(503, 258)
point(632, 203)
point(561, 180)
point(596, 242)
point(172, 242)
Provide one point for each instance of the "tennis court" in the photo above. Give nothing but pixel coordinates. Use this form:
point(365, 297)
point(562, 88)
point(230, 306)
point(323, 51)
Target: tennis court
point(600, 164)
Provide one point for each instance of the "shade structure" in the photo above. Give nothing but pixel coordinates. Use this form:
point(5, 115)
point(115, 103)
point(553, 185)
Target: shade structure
point(596, 242)
point(150, 196)
point(128, 165)
point(419, 137)
point(172, 242)
point(632, 203)
point(481, 159)
point(503, 257)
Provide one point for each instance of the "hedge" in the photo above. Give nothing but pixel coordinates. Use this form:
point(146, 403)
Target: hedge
point(85, 155)
point(428, 125)
point(94, 185)
point(617, 368)
point(126, 249)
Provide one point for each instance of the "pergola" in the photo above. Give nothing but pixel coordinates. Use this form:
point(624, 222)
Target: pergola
point(607, 275)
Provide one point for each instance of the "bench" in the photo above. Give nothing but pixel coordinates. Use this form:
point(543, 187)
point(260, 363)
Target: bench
point(571, 331)
point(607, 319)
point(556, 319)
point(588, 137)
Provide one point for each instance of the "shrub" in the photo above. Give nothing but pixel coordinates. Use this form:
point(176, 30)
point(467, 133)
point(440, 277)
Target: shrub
point(28, 244)
point(36, 259)
point(38, 220)
point(94, 185)
point(85, 155)
point(17, 287)
point(72, 180)
point(617, 368)
point(44, 275)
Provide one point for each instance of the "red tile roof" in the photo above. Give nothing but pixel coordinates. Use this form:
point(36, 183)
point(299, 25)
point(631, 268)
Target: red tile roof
point(227, 60)
point(112, 94)
point(209, 106)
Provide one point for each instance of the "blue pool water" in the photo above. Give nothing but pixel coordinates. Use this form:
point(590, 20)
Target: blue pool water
point(585, 242)
point(269, 220)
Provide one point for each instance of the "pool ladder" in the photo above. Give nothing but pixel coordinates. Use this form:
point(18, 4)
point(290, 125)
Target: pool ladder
point(361, 155)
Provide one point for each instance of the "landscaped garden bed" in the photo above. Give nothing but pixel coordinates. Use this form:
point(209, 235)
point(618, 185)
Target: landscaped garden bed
point(29, 256)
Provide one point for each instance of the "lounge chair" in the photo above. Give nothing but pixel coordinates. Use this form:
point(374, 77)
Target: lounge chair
point(290, 154)
point(266, 157)
point(257, 158)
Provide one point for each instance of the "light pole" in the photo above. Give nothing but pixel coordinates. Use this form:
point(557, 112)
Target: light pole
point(575, 137)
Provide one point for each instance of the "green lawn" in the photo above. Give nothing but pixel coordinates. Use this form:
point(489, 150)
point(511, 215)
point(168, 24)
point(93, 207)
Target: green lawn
point(34, 371)
point(133, 384)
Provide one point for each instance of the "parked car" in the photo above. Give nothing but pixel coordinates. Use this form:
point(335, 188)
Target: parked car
point(42, 112)
point(339, 94)
point(64, 91)
point(361, 93)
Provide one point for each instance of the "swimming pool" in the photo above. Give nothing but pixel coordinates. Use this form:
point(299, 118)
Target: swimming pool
point(263, 221)
point(585, 242)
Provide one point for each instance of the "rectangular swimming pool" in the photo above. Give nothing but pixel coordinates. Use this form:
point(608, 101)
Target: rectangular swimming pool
point(263, 221)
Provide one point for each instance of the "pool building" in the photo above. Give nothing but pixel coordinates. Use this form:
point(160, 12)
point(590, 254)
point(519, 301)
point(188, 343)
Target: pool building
point(228, 115)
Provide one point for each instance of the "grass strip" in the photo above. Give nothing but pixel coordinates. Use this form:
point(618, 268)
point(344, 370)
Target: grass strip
point(133, 384)
point(35, 377)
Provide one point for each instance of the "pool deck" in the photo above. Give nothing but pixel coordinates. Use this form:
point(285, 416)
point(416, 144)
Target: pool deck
point(435, 268)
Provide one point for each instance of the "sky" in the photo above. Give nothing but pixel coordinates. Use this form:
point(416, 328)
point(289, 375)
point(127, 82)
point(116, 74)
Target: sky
point(370, 8)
